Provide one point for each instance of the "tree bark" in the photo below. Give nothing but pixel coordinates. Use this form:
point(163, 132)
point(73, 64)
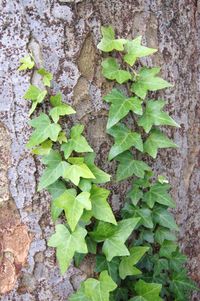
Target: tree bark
point(63, 36)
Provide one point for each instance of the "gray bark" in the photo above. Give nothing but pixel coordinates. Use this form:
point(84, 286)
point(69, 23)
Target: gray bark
point(63, 35)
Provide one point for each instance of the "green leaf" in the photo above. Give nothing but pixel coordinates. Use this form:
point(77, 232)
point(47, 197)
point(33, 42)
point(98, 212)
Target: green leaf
point(111, 266)
point(111, 71)
point(162, 234)
point(127, 264)
point(153, 115)
point(148, 291)
point(157, 140)
point(160, 265)
point(101, 210)
point(108, 42)
point(124, 140)
point(129, 167)
point(76, 171)
point(147, 80)
point(56, 189)
point(54, 170)
point(167, 248)
point(146, 217)
point(120, 106)
point(36, 95)
point(100, 175)
point(115, 236)
point(77, 142)
point(60, 108)
point(67, 244)
point(135, 194)
point(47, 76)
point(164, 218)
point(26, 63)
point(177, 260)
point(62, 137)
point(181, 285)
point(95, 290)
point(44, 129)
point(120, 294)
point(135, 50)
point(158, 194)
point(162, 179)
point(43, 149)
point(73, 205)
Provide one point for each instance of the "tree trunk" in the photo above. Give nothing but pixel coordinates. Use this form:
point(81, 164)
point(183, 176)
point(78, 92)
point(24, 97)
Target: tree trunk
point(63, 35)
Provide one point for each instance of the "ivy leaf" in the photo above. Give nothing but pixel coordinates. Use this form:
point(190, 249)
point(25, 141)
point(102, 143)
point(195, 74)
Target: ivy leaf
point(162, 234)
point(77, 142)
point(124, 140)
point(111, 266)
point(43, 149)
point(146, 217)
point(67, 244)
point(127, 264)
point(129, 167)
point(100, 208)
point(100, 175)
point(135, 194)
point(108, 42)
point(147, 80)
point(76, 171)
point(167, 248)
point(181, 285)
point(62, 137)
point(164, 218)
point(36, 95)
point(158, 194)
point(54, 170)
point(148, 291)
point(56, 189)
point(111, 71)
point(95, 290)
point(177, 260)
point(47, 76)
point(157, 140)
point(44, 129)
point(120, 106)
point(73, 205)
point(60, 108)
point(135, 50)
point(26, 63)
point(154, 116)
point(115, 237)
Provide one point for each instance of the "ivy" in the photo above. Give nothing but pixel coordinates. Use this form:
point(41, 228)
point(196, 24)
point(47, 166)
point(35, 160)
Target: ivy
point(136, 253)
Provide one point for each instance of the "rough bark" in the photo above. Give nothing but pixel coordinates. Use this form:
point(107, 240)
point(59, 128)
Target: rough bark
point(63, 35)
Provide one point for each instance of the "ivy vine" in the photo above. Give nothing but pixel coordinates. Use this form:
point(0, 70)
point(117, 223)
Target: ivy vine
point(137, 256)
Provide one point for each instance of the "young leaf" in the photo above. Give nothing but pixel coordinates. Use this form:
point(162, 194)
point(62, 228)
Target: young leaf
point(47, 77)
point(73, 205)
point(54, 170)
point(111, 266)
point(154, 116)
point(111, 71)
point(60, 108)
point(62, 137)
point(108, 41)
point(76, 171)
point(36, 95)
point(127, 264)
point(43, 149)
point(100, 175)
point(120, 106)
point(44, 129)
point(158, 194)
point(155, 141)
point(135, 50)
point(147, 80)
point(26, 63)
point(148, 291)
point(67, 244)
point(77, 142)
point(164, 218)
point(124, 139)
point(115, 237)
point(95, 290)
point(129, 167)
point(100, 207)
